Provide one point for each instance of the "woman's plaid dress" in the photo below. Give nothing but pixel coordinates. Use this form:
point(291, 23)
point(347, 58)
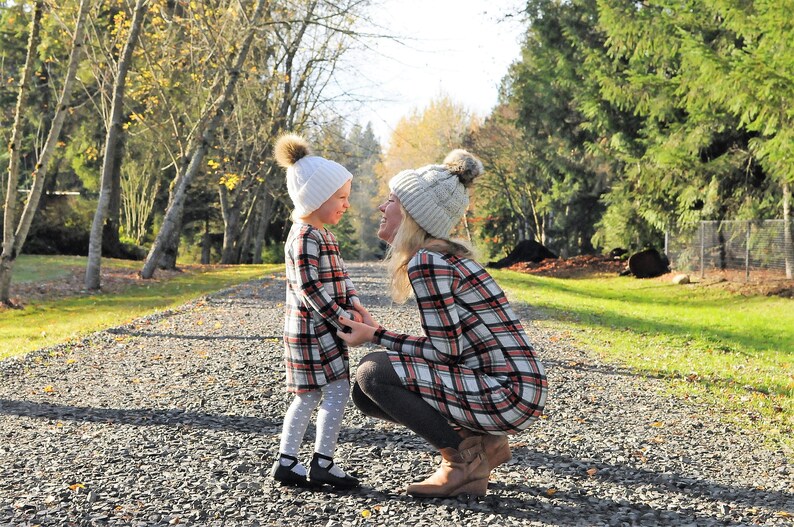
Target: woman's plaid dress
point(475, 365)
point(319, 291)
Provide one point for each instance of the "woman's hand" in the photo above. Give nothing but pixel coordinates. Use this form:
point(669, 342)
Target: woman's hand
point(359, 333)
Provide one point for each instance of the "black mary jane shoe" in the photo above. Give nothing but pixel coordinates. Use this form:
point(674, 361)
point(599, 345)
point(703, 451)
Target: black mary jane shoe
point(285, 475)
point(319, 475)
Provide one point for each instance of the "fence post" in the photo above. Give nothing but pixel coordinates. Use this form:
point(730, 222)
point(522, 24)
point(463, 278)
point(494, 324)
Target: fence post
point(747, 253)
point(702, 250)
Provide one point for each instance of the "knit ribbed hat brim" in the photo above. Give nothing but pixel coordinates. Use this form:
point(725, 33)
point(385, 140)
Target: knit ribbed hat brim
point(312, 180)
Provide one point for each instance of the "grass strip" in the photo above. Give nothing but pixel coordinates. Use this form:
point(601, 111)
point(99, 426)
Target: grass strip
point(48, 323)
point(731, 352)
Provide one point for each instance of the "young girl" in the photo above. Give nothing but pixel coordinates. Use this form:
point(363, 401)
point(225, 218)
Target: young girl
point(319, 292)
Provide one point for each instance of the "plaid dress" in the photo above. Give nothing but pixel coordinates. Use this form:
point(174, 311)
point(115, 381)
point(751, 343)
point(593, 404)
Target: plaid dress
point(475, 364)
point(319, 291)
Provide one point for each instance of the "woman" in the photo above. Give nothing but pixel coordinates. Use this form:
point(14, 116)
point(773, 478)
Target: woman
point(473, 377)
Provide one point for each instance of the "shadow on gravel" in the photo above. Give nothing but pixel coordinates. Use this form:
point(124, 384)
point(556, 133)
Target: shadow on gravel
point(153, 334)
point(678, 487)
point(139, 417)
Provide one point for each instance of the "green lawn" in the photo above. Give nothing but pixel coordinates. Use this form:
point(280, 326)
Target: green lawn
point(48, 323)
point(733, 352)
point(34, 268)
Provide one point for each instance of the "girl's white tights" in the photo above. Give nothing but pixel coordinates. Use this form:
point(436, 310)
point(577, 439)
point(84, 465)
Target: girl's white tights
point(332, 399)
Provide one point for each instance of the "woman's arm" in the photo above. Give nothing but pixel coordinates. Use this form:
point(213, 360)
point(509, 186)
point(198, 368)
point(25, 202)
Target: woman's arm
point(433, 281)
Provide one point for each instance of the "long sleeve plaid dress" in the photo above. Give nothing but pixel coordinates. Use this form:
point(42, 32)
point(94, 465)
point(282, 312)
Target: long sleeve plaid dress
point(475, 364)
point(319, 291)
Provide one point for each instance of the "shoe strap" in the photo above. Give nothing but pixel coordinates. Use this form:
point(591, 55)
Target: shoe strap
point(291, 458)
point(325, 458)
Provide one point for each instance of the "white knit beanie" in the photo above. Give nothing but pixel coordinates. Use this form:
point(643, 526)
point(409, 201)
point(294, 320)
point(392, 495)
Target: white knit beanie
point(311, 180)
point(436, 196)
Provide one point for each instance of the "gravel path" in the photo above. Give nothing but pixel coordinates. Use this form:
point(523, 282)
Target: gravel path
point(174, 419)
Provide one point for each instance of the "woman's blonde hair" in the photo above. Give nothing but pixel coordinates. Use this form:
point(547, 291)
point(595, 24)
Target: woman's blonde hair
point(409, 239)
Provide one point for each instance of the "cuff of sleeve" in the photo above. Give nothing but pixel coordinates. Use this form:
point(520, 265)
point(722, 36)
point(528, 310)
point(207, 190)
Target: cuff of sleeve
point(377, 338)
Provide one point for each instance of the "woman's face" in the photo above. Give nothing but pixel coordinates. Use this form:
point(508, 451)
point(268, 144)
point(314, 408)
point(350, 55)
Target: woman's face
point(391, 220)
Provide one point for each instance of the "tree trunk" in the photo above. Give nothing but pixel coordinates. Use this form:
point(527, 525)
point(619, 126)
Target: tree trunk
point(206, 244)
point(9, 253)
point(788, 241)
point(184, 179)
point(170, 251)
point(266, 210)
point(14, 235)
point(112, 140)
point(111, 242)
point(230, 210)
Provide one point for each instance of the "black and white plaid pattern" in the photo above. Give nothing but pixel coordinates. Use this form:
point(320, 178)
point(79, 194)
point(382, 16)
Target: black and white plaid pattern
point(475, 364)
point(319, 291)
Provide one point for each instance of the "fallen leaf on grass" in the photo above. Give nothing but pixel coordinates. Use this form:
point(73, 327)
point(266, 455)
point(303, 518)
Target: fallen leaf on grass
point(74, 486)
point(657, 424)
point(49, 389)
point(551, 492)
point(592, 472)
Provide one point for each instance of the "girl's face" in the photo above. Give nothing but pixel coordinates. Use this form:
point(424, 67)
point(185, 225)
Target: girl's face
point(331, 212)
point(391, 220)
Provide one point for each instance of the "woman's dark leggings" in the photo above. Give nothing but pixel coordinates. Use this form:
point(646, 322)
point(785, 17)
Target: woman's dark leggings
point(378, 392)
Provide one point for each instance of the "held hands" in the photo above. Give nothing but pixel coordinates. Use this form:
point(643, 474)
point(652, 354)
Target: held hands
point(362, 312)
point(361, 328)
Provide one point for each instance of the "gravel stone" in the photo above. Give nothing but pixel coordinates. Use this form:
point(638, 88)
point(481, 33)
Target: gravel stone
point(174, 419)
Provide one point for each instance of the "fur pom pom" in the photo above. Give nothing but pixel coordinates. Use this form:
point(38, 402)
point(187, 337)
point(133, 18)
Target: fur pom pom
point(290, 149)
point(464, 165)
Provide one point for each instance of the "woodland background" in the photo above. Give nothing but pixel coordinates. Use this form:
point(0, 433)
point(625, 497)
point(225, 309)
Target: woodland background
point(144, 129)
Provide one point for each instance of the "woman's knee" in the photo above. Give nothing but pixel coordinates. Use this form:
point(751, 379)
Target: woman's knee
point(371, 371)
point(361, 400)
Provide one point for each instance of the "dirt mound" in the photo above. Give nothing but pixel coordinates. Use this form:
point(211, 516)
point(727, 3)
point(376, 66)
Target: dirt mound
point(525, 251)
point(574, 267)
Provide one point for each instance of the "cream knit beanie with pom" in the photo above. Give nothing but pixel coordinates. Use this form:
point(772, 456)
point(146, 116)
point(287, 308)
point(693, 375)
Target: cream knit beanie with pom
point(311, 180)
point(436, 196)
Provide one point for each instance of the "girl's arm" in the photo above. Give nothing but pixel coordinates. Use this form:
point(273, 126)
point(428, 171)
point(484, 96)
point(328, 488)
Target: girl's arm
point(432, 279)
point(312, 292)
point(351, 289)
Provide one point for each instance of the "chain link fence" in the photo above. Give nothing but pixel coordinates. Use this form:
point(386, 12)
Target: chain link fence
point(763, 248)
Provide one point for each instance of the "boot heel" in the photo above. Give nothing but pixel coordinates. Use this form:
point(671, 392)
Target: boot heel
point(478, 487)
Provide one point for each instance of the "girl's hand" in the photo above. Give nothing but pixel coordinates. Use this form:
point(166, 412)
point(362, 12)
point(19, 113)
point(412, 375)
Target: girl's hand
point(366, 318)
point(359, 333)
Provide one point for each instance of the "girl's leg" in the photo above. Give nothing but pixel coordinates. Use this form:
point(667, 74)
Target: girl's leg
point(377, 379)
point(329, 423)
point(330, 415)
point(296, 421)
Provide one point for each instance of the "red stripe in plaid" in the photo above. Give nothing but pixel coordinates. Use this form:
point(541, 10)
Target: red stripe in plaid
point(475, 363)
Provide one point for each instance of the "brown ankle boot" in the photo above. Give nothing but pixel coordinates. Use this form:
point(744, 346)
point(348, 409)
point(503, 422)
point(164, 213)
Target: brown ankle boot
point(496, 448)
point(462, 471)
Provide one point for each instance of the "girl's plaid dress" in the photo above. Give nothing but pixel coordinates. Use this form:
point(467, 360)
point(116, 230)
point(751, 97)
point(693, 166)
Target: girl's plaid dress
point(475, 365)
point(319, 291)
